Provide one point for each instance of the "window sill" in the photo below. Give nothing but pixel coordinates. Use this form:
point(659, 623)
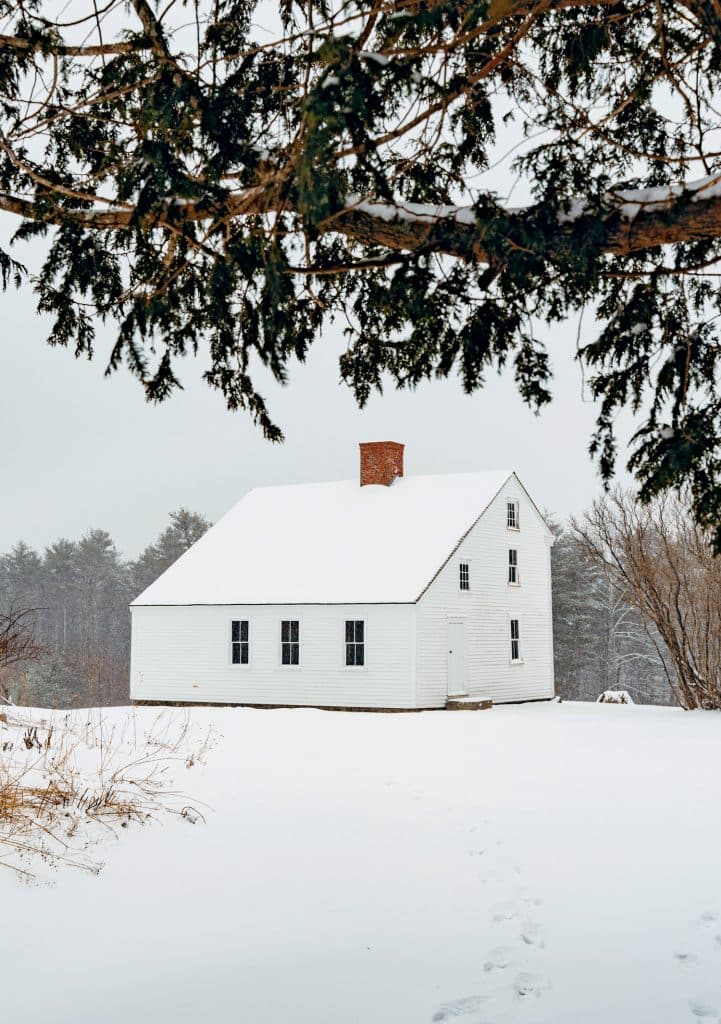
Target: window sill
point(514, 529)
point(516, 661)
point(513, 584)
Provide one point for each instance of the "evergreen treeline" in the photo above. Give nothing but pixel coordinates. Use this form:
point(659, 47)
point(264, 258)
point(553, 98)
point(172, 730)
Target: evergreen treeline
point(79, 592)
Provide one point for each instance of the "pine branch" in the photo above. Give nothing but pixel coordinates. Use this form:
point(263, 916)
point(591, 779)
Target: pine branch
point(454, 231)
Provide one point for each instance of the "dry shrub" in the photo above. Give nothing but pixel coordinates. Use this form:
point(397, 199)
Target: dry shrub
point(72, 779)
point(663, 564)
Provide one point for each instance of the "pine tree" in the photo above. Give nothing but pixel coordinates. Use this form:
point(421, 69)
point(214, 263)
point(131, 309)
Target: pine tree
point(203, 182)
point(184, 529)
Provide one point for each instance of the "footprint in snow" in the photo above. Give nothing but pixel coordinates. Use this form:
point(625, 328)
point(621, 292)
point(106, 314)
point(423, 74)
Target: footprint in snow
point(532, 934)
point(458, 1008)
point(504, 912)
point(702, 1010)
point(533, 901)
point(527, 984)
point(685, 957)
point(498, 959)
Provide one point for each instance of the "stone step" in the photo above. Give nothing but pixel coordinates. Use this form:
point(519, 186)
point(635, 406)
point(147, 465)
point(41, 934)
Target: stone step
point(468, 704)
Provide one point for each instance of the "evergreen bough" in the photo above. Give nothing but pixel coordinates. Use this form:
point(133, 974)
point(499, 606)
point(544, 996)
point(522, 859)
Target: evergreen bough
point(207, 183)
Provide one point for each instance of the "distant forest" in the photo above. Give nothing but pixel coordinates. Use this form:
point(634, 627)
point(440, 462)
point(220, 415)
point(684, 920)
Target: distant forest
point(79, 591)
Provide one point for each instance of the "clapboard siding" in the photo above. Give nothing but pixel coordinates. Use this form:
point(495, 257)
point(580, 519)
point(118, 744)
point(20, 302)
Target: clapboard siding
point(182, 653)
point(488, 608)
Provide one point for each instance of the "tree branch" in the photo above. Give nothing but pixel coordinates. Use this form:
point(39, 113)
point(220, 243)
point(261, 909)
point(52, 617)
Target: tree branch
point(455, 231)
point(64, 50)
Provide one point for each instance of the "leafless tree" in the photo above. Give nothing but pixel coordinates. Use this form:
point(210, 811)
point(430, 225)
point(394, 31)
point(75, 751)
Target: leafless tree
point(662, 564)
point(600, 641)
point(17, 640)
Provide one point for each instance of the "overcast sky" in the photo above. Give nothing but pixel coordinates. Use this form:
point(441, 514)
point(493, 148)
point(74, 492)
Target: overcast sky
point(84, 451)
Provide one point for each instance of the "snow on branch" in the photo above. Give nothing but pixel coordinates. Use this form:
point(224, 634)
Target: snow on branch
point(637, 219)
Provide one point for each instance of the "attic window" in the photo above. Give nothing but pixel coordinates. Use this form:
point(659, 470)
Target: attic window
point(465, 576)
point(512, 515)
point(355, 642)
point(239, 642)
point(290, 642)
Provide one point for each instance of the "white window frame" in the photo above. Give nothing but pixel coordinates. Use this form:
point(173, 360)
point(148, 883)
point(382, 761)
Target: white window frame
point(517, 513)
point(355, 668)
point(293, 668)
point(231, 642)
point(467, 563)
point(513, 565)
point(512, 640)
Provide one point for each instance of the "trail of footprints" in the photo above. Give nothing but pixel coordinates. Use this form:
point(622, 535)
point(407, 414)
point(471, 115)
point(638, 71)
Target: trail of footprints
point(509, 970)
point(705, 944)
point(522, 949)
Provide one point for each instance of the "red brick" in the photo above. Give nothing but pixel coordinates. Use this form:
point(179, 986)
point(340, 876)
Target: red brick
point(380, 462)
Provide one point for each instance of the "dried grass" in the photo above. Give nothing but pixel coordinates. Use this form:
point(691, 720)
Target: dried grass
point(71, 780)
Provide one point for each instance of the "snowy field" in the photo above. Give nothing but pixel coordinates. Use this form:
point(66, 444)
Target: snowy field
point(545, 863)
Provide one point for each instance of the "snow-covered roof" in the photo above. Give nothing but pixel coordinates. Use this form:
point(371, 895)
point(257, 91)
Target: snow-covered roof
point(329, 543)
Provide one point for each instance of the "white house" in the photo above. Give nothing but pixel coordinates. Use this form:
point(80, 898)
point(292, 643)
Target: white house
point(394, 592)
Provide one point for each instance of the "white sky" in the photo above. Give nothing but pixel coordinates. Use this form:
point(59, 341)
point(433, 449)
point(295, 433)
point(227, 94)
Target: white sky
point(83, 451)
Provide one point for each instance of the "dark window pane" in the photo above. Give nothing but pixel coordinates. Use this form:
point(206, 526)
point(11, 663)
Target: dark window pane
point(285, 631)
point(349, 631)
point(294, 654)
point(360, 655)
point(294, 631)
point(244, 651)
point(285, 654)
point(235, 626)
point(350, 654)
point(236, 654)
point(244, 630)
point(359, 631)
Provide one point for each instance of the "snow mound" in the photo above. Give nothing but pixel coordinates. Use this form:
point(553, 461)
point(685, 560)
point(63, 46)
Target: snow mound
point(615, 697)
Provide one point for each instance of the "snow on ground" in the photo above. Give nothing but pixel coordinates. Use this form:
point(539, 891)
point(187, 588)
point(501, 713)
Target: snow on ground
point(540, 863)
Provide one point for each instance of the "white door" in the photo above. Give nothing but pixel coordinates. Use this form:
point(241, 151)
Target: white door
point(457, 658)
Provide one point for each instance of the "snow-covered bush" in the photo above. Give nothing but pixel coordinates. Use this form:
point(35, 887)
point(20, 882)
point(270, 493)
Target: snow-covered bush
point(615, 697)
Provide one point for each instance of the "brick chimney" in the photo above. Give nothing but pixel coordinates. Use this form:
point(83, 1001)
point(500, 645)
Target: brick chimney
point(380, 462)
